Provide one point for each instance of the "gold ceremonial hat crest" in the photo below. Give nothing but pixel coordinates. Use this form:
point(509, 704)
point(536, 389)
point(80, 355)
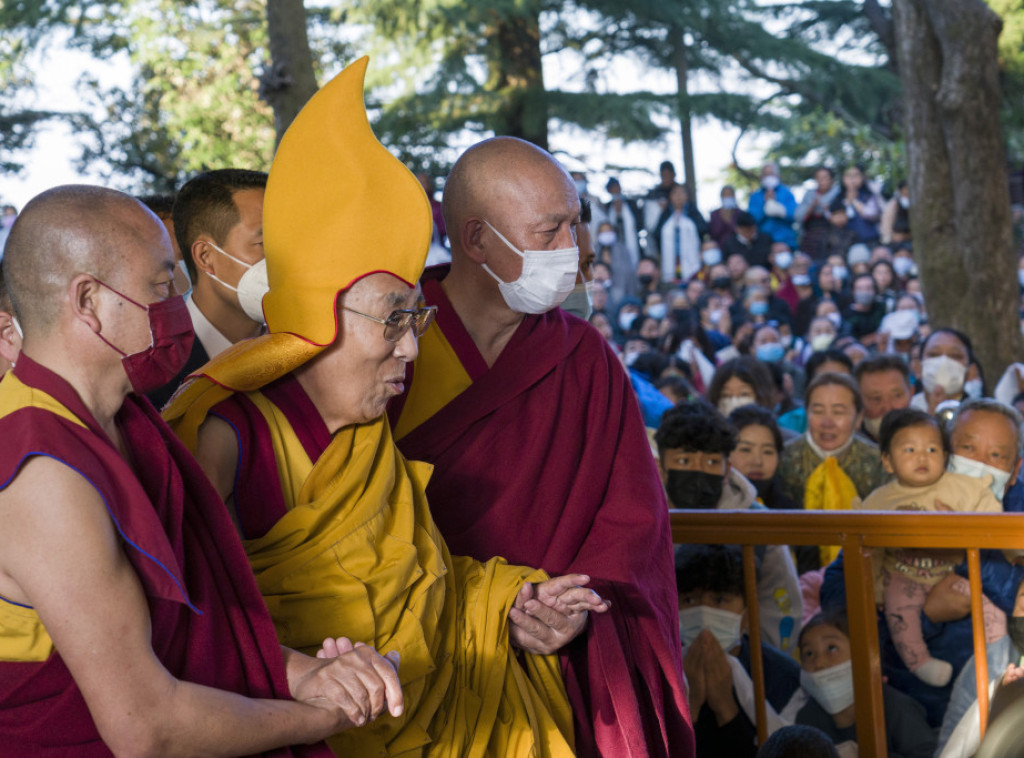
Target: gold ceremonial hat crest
point(338, 207)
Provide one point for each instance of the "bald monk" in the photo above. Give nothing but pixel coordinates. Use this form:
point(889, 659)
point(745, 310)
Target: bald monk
point(130, 622)
point(290, 427)
point(529, 419)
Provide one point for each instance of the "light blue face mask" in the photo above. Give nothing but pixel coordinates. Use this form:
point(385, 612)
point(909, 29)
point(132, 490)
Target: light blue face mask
point(770, 352)
point(758, 308)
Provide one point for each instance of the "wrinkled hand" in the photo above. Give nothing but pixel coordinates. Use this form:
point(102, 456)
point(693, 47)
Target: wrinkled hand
point(718, 680)
point(354, 678)
point(547, 616)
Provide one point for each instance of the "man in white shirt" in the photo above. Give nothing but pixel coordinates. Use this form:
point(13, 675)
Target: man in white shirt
point(218, 222)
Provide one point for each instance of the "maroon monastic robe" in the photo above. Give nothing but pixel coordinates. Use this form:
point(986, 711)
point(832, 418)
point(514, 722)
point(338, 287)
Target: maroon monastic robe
point(209, 623)
point(544, 460)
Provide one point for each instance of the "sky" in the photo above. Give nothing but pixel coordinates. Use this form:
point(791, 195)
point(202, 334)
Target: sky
point(51, 161)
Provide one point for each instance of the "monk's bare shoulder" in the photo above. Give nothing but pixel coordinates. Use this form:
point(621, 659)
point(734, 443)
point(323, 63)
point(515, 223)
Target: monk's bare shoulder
point(49, 512)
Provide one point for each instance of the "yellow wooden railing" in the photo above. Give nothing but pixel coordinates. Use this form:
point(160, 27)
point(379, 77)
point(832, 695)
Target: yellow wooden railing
point(856, 532)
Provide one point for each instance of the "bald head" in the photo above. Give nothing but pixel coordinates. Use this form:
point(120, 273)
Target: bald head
point(64, 232)
point(494, 178)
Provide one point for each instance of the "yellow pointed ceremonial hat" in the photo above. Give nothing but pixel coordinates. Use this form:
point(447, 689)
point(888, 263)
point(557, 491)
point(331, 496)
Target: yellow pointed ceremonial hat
point(338, 207)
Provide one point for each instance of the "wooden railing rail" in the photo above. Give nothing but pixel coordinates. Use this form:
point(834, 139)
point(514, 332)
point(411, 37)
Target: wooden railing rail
point(857, 532)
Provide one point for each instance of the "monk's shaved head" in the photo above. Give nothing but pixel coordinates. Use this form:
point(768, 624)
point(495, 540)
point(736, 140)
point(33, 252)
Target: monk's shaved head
point(489, 179)
point(64, 232)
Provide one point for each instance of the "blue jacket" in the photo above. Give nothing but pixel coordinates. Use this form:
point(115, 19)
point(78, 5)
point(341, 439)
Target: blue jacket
point(781, 229)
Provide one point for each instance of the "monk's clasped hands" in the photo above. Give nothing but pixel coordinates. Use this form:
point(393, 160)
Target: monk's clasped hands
point(547, 616)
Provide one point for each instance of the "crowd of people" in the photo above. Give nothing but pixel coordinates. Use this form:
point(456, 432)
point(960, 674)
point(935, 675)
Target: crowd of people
point(784, 358)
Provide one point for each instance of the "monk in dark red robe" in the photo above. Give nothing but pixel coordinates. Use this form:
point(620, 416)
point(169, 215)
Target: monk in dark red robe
point(538, 446)
point(130, 621)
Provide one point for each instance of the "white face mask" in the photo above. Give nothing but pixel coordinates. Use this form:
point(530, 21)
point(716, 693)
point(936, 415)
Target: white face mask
point(959, 464)
point(873, 426)
point(724, 625)
point(770, 181)
point(657, 310)
point(547, 279)
point(973, 388)
point(943, 372)
point(728, 404)
point(821, 342)
point(607, 238)
point(783, 260)
point(832, 688)
point(252, 285)
point(580, 301)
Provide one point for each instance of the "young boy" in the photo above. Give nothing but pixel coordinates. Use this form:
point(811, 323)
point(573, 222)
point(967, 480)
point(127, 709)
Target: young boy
point(694, 441)
point(915, 450)
point(716, 655)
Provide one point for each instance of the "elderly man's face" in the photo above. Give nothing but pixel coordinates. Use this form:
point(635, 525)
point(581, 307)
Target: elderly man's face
point(883, 391)
point(352, 381)
point(986, 437)
point(146, 277)
point(544, 216)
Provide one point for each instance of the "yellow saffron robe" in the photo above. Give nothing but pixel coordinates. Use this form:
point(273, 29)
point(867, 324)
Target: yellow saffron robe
point(358, 555)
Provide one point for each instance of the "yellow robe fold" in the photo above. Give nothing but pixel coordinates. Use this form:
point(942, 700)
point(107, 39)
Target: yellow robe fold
point(358, 555)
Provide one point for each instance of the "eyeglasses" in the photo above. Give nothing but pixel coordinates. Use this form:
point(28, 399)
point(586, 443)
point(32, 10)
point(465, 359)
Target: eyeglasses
point(399, 322)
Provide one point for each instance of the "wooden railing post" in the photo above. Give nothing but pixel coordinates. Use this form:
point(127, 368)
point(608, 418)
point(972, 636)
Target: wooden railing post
point(978, 624)
point(867, 663)
point(756, 659)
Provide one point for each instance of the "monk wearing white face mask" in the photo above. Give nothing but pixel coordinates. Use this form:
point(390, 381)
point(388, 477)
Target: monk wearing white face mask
point(218, 222)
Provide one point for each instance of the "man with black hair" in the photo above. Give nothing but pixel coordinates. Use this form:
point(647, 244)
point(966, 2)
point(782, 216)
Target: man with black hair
point(716, 655)
point(694, 441)
point(749, 241)
point(885, 386)
point(218, 225)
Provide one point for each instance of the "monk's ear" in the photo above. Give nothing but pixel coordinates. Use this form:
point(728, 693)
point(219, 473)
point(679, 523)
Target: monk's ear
point(10, 339)
point(471, 237)
point(84, 293)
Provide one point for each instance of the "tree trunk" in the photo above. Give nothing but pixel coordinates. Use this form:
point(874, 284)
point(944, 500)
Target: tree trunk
point(682, 67)
point(516, 72)
point(289, 81)
point(960, 212)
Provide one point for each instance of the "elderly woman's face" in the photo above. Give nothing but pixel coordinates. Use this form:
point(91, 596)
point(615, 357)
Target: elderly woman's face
point(832, 416)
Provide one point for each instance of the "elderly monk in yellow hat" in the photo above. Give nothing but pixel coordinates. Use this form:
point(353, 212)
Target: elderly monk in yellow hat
point(290, 427)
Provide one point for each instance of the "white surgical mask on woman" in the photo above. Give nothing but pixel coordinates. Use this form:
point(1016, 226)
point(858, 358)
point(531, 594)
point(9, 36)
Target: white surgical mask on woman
point(727, 405)
point(547, 278)
point(943, 372)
